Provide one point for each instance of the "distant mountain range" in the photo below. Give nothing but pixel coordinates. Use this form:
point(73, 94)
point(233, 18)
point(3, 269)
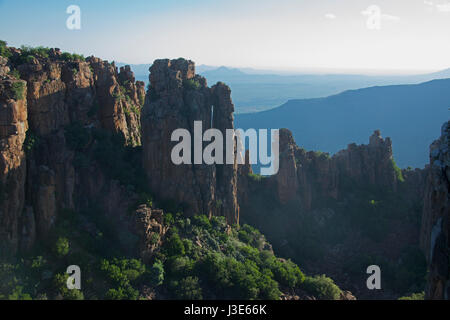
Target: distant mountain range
point(257, 90)
point(410, 114)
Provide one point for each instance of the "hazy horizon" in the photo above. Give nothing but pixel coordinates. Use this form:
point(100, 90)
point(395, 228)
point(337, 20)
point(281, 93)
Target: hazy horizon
point(306, 71)
point(285, 35)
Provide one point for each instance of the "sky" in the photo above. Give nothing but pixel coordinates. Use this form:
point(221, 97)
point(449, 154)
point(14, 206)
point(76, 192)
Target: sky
point(379, 36)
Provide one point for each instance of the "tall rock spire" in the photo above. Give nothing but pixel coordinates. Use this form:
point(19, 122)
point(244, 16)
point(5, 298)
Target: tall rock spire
point(176, 98)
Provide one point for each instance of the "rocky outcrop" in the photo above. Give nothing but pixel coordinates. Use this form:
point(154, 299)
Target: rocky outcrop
point(435, 233)
point(59, 93)
point(150, 228)
point(244, 172)
point(176, 98)
point(4, 69)
point(13, 127)
point(338, 210)
point(313, 176)
point(286, 179)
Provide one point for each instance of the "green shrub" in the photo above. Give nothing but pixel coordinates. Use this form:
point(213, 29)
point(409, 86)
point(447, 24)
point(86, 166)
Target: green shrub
point(18, 294)
point(40, 51)
point(255, 177)
point(398, 171)
point(288, 273)
point(31, 142)
point(191, 84)
point(244, 236)
point(156, 273)
point(4, 52)
point(38, 262)
point(322, 287)
point(154, 239)
point(18, 90)
point(202, 221)
point(122, 293)
point(60, 287)
point(62, 247)
point(122, 272)
point(174, 246)
point(66, 56)
point(414, 296)
point(15, 73)
point(322, 155)
point(188, 289)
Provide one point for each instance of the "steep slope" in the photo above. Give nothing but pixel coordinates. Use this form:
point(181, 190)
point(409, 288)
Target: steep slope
point(13, 126)
point(338, 215)
point(177, 98)
point(72, 107)
point(409, 114)
point(435, 233)
point(75, 189)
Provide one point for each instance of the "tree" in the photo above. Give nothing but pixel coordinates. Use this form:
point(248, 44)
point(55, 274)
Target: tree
point(174, 246)
point(189, 289)
point(322, 287)
point(62, 247)
point(157, 273)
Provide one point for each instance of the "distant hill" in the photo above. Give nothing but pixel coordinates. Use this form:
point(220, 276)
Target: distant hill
point(257, 92)
point(441, 74)
point(410, 114)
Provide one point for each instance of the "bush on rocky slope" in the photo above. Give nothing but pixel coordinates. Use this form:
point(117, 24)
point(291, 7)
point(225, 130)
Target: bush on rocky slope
point(199, 259)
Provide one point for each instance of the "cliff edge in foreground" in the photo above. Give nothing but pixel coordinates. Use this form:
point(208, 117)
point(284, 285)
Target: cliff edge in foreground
point(435, 231)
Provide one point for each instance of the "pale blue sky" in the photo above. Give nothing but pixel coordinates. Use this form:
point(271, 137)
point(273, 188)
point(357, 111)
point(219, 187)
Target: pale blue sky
point(271, 34)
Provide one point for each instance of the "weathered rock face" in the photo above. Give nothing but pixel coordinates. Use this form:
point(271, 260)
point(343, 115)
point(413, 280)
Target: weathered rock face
point(329, 209)
point(58, 93)
point(312, 176)
point(435, 233)
point(287, 182)
point(13, 127)
point(244, 171)
point(176, 98)
point(150, 227)
point(4, 69)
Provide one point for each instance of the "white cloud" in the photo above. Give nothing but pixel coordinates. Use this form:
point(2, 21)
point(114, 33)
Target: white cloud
point(444, 7)
point(375, 12)
point(330, 16)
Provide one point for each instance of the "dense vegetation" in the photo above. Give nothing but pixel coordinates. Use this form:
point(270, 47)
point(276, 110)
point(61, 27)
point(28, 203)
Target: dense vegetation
point(44, 52)
point(199, 259)
point(27, 53)
point(367, 216)
point(206, 259)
